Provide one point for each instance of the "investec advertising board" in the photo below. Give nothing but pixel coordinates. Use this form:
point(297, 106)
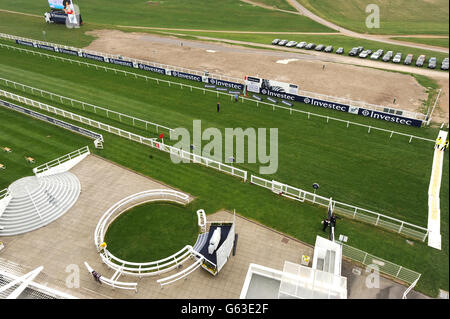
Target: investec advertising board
point(389, 117)
point(344, 108)
point(306, 100)
point(227, 84)
point(186, 76)
point(52, 120)
point(252, 84)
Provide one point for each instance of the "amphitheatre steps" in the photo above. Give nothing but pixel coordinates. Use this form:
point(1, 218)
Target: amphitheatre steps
point(38, 201)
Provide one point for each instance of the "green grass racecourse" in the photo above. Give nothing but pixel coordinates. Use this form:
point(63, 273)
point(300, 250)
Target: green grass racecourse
point(28, 137)
point(396, 17)
point(314, 150)
point(214, 191)
point(369, 170)
point(189, 14)
point(438, 42)
point(279, 4)
point(152, 231)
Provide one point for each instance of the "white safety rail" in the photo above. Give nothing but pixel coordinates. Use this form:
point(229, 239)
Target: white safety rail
point(134, 121)
point(131, 136)
point(78, 154)
point(350, 211)
point(430, 112)
point(379, 108)
point(184, 273)
point(217, 93)
point(410, 288)
point(113, 282)
point(201, 219)
point(5, 198)
point(147, 268)
point(385, 267)
point(228, 169)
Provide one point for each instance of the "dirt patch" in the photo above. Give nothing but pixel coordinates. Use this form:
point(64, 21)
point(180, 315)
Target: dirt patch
point(335, 79)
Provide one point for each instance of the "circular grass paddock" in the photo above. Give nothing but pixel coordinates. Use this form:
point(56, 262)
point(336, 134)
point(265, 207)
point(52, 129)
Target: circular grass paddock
point(152, 231)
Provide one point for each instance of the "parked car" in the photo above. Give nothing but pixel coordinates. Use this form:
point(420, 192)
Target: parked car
point(420, 60)
point(355, 51)
point(301, 45)
point(283, 42)
point(329, 49)
point(340, 50)
point(320, 47)
point(387, 57)
point(275, 41)
point(291, 44)
point(376, 55)
point(408, 59)
point(397, 58)
point(444, 65)
point(364, 54)
point(432, 63)
point(310, 46)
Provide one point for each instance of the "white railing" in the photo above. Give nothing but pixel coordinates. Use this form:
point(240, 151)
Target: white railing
point(112, 282)
point(73, 102)
point(147, 268)
point(430, 116)
point(347, 210)
point(217, 93)
point(60, 160)
point(380, 108)
point(131, 136)
point(5, 198)
point(410, 288)
point(184, 273)
point(384, 266)
point(4, 193)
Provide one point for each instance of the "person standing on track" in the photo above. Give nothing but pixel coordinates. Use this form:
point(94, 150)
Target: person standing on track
point(438, 142)
point(218, 107)
point(444, 146)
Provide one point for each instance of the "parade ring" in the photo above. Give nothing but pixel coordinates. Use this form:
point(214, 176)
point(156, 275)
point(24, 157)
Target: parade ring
point(151, 268)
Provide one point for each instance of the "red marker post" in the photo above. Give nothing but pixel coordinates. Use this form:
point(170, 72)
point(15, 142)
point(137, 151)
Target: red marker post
point(161, 136)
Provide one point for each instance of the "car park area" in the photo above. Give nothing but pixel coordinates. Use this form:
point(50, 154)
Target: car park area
point(364, 53)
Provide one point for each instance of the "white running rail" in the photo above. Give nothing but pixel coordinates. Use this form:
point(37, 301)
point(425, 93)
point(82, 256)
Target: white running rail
point(38, 171)
point(131, 136)
point(350, 211)
point(85, 105)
